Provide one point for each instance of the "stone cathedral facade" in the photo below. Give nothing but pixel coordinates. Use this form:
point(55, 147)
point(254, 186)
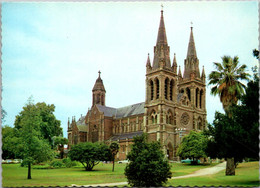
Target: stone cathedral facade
point(174, 105)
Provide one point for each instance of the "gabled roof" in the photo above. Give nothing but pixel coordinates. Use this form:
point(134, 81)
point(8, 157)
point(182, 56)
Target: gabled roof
point(126, 111)
point(82, 127)
point(108, 111)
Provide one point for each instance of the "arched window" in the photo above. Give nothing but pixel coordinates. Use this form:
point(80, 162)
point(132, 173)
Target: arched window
point(201, 93)
point(102, 99)
point(157, 88)
point(166, 83)
point(154, 117)
point(171, 90)
point(98, 98)
point(152, 89)
point(197, 97)
point(169, 117)
point(188, 93)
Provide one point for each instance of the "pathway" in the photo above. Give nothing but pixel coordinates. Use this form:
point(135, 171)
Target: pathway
point(201, 172)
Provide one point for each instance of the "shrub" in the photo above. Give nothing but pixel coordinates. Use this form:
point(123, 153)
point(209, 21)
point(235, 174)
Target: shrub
point(56, 164)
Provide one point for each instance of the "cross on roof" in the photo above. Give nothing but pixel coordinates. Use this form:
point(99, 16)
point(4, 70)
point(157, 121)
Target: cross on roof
point(99, 73)
point(162, 6)
point(191, 24)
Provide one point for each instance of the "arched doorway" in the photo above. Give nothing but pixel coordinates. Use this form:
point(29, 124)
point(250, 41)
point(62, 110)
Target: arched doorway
point(170, 151)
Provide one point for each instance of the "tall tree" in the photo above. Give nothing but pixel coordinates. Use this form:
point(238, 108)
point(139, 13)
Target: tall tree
point(33, 148)
point(227, 84)
point(114, 147)
point(148, 166)
point(49, 127)
point(193, 146)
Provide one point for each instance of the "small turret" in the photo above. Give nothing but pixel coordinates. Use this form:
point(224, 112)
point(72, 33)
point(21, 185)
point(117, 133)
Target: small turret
point(180, 74)
point(148, 63)
point(203, 76)
point(174, 64)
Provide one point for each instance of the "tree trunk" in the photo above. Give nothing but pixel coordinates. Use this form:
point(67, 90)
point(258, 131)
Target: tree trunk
point(29, 171)
point(113, 164)
point(230, 167)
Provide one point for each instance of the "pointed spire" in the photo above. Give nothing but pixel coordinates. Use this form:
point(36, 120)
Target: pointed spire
point(203, 76)
point(191, 49)
point(161, 38)
point(148, 63)
point(99, 84)
point(161, 50)
point(179, 74)
point(174, 60)
point(174, 64)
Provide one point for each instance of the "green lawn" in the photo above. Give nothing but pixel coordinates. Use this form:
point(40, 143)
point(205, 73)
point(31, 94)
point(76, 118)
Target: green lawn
point(247, 175)
point(14, 175)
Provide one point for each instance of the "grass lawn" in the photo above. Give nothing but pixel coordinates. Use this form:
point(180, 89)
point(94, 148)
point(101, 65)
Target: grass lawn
point(15, 176)
point(247, 175)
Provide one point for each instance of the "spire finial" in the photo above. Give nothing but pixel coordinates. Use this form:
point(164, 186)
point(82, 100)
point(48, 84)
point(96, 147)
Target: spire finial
point(191, 25)
point(99, 73)
point(162, 7)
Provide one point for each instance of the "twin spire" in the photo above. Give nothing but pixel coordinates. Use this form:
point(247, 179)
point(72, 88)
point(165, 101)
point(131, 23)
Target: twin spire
point(162, 55)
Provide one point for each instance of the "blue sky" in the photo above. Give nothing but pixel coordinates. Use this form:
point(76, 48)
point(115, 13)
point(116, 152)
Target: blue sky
point(53, 51)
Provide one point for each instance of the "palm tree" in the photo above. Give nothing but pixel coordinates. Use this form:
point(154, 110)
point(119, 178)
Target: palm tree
point(226, 81)
point(227, 84)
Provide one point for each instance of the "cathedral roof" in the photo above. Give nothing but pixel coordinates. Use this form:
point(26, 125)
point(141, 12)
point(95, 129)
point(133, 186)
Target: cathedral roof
point(126, 136)
point(161, 38)
point(126, 111)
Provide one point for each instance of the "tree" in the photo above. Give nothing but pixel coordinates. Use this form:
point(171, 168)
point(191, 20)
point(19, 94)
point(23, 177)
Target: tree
point(10, 140)
point(32, 148)
point(49, 127)
point(256, 53)
point(89, 154)
point(114, 147)
point(193, 146)
point(227, 85)
point(60, 142)
point(148, 165)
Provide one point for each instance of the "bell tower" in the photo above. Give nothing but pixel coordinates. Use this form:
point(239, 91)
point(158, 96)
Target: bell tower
point(98, 92)
point(161, 93)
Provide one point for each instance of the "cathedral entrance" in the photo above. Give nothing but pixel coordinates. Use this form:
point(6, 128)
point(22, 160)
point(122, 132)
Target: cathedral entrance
point(170, 151)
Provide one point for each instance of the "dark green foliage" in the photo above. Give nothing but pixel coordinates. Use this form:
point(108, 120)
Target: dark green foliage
point(193, 146)
point(56, 164)
point(256, 53)
point(89, 154)
point(49, 126)
point(10, 140)
point(69, 163)
point(148, 165)
point(237, 136)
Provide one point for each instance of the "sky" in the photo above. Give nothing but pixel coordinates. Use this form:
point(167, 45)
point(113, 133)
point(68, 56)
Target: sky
point(53, 51)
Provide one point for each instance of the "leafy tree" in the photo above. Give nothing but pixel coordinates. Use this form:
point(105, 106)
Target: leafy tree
point(237, 136)
point(114, 147)
point(193, 146)
point(32, 148)
point(226, 80)
point(148, 165)
point(256, 53)
point(89, 154)
point(60, 142)
point(10, 140)
point(49, 127)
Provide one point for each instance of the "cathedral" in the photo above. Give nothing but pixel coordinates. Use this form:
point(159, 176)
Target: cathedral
point(174, 105)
